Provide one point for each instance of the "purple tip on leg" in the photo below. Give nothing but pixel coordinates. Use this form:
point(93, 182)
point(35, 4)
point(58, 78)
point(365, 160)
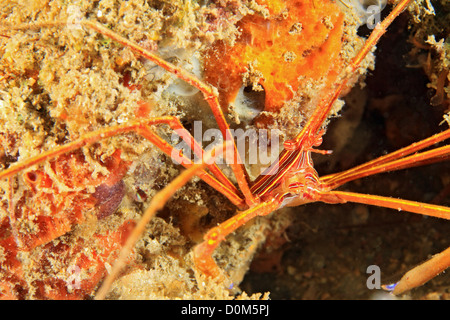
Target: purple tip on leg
point(389, 287)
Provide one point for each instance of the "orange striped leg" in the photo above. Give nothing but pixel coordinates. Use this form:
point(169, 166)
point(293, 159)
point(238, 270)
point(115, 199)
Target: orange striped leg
point(427, 157)
point(230, 192)
point(203, 252)
point(156, 204)
point(386, 202)
point(139, 127)
point(210, 93)
point(176, 125)
point(313, 125)
point(424, 272)
point(85, 140)
point(421, 274)
point(394, 161)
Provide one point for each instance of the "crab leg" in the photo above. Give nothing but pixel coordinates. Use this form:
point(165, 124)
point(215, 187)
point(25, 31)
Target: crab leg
point(287, 159)
point(157, 203)
point(429, 269)
point(337, 179)
point(210, 93)
point(140, 127)
point(386, 202)
point(85, 140)
point(311, 128)
point(311, 131)
point(421, 274)
point(175, 124)
point(203, 251)
point(427, 157)
point(228, 190)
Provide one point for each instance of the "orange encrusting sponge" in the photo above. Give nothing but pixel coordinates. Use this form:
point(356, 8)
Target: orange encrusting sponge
point(299, 41)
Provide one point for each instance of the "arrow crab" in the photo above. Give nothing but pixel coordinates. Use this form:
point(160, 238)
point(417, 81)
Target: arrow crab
point(83, 95)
